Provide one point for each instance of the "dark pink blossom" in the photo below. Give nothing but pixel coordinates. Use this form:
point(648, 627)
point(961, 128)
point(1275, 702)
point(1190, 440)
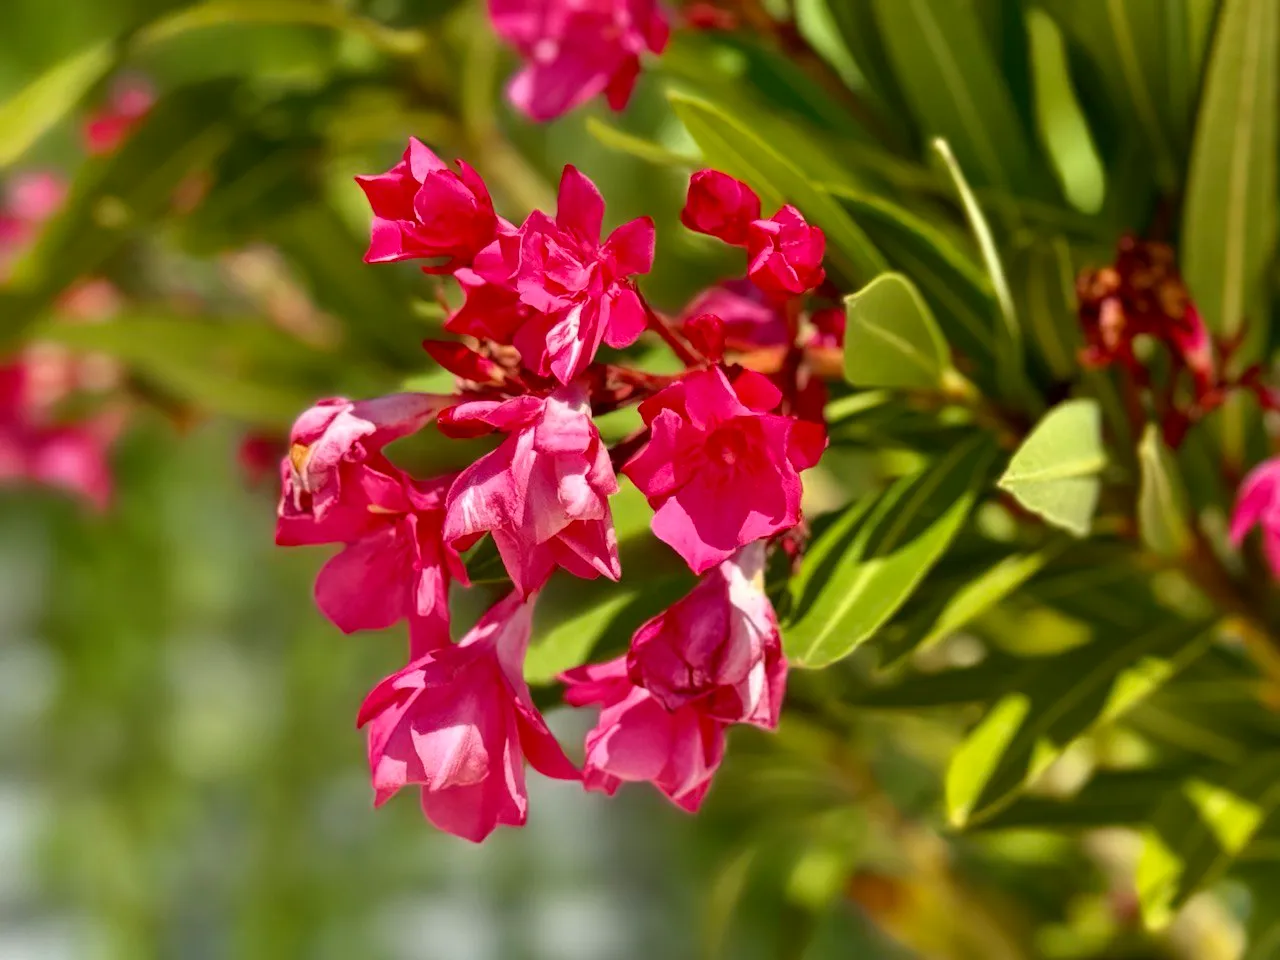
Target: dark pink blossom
point(785, 253)
point(577, 49)
point(459, 722)
point(720, 206)
point(720, 470)
point(750, 319)
point(130, 101)
point(719, 645)
point(543, 493)
point(1258, 505)
point(554, 290)
point(422, 209)
point(828, 329)
point(30, 199)
point(337, 430)
point(636, 739)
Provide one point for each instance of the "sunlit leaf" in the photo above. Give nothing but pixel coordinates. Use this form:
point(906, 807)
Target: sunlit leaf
point(1055, 473)
point(49, 98)
point(891, 339)
point(1162, 501)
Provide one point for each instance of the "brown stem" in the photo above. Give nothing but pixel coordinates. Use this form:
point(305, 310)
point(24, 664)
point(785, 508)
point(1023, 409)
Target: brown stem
point(663, 329)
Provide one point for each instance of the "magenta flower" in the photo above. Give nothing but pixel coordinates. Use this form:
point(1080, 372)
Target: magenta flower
point(423, 210)
point(35, 448)
point(459, 722)
point(1258, 505)
point(719, 469)
point(785, 253)
point(720, 206)
point(336, 431)
point(577, 49)
point(636, 739)
point(130, 101)
point(719, 645)
point(553, 290)
point(750, 320)
point(543, 494)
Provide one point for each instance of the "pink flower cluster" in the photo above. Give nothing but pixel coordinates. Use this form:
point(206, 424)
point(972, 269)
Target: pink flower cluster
point(575, 50)
point(719, 457)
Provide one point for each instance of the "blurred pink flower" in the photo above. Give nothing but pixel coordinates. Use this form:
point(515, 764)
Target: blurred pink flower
point(785, 253)
point(1258, 505)
point(130, 101)
point(577, 49)
point(636, 739)
point(718, 646)
point(543, 494)
point(750, 320)
point(554, 290)
point(459, 722)
point(422, 209)
point(719, 469)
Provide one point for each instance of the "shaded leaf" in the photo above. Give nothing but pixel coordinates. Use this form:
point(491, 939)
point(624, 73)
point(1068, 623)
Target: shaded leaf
point(891, 339)
point(1055, 473)
point(872, 560)
point(1047, 299)
point(1162, 501)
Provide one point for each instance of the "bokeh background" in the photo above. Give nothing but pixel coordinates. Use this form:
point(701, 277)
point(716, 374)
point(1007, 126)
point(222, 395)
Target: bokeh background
point(180, 776)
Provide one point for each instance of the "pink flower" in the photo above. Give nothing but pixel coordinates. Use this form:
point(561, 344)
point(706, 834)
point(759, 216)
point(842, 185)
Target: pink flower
point(459, 721)
point(718, 645)
point(577, 49)
point(29, 200)
point(719, 469)
point(130, 101)
point(720, 206)
point(422, 209)
point(828, 328)
point(750, 321)
point(338, 430)
point(543, 494)
point(785, 253)
point(1258, 505)
point(636, 739)
point(35, 448)
point(553, 290)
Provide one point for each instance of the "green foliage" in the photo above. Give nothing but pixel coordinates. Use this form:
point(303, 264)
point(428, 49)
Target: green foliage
point(1055, 472)
point(892, 339)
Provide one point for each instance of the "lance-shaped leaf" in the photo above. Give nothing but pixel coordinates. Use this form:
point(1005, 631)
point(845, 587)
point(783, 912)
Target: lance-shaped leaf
point(39, 106)
point(866, 565)
point(892, 339)
point(1055, 473)
point(1162, 501)
point(731, 146)
point(1229, 219)
point(1046, 292)
point(1051, 702)
point(1008, 335)
point(950, 77)
point(1200, 829)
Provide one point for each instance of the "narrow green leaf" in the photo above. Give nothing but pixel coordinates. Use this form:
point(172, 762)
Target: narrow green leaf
point(1052, 702)
point(1055, 473)
point(732, 147)
point(1047, 296)
point(1008, 339)
point(1200, 829)
point(876, 563)
point(891, 339)
point(633, 146)
point(1229, 220)
point(950, 77)
point(39, 106)
point(960, 607)
point(1162, 501)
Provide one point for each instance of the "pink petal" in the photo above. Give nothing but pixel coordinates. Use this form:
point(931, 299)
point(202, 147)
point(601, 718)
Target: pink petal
point(579, 206)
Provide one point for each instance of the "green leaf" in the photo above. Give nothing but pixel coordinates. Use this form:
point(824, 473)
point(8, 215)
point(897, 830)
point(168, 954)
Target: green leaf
point(120, 194)
point(863, 568)
point(1053, 701)
point(1162, 501)
point(633, 146)
point(861, 36)
point(1055, 473)
point(1229, 220)
point(1200, 829)
point(1008, 338)
point(214, 13)
point(730, 146)
point(1047, 297)
point(891, 339)
point(950, 77)
point(43, 103)
point(246, 369)
point(959, 607)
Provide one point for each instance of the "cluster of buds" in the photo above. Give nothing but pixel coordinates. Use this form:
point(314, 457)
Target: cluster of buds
point(719, 458)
